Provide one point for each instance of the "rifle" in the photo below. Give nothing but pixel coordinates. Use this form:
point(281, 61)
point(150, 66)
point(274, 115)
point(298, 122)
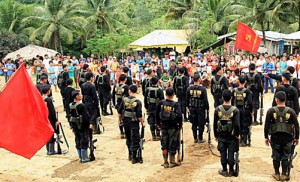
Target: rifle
point(261, 102)
point(58, 138)
point(261, 108)
point(142, 140)
point(236, 159)
point(92, 145)
point(110, 105)
point(291, 158)
point(100, 125)
point(180, 154)
point(208, 132)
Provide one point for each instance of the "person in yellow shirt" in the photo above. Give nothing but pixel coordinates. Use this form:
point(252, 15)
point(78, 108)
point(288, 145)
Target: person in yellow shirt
point(113, 67)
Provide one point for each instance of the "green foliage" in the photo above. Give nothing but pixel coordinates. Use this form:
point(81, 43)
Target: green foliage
point(205, 35)
point(110, 43)
point(10, 42)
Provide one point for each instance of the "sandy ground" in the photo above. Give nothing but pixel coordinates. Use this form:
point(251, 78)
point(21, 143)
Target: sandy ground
point(112, 165)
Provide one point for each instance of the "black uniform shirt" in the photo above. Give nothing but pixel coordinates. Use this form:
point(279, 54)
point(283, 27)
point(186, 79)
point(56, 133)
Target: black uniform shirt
point(137, 110)
point(81, 109)
point(226, 136)
point(159, 96)
point(281, 137)
point(184, 84)
point(105, 88)
point(293, 96)
point(247, 99)
point(223, 84)
point(51, 111)
point(257, 88)
point(167, 124)
point(90, 98)
point(125, 94)
point(203, 96)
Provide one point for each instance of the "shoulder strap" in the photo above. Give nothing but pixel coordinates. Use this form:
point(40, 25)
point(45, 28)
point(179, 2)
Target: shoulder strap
point(229, 111)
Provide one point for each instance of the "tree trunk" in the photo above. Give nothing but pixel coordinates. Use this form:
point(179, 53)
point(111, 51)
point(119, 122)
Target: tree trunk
point(55, 40)
point(264, 33)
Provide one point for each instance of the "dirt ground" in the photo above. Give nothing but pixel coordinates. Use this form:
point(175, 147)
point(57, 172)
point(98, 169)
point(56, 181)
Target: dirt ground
point(112, 165)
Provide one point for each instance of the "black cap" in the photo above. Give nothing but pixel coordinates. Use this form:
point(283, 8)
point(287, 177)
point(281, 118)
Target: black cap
point(218, 68)
point(286, 75)
point(75, 93)
point(45, 89)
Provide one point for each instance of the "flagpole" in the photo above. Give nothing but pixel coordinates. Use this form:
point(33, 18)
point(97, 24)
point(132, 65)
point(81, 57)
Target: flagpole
point(11, 77)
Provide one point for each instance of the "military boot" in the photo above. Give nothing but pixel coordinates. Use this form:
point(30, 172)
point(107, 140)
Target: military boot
point(134, 158)
point(79, 154)
point(51, 149)
point(166, 163)
point(84, 156)
point(130, 156)
point(47, 147)
point(153, 135)
point(172, 161)
point(276, 176)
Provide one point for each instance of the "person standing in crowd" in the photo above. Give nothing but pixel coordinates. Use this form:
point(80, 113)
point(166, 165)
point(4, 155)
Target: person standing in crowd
point(268, 67)
point(181, 83)
point(227, 132)
point(90, 99)
point(68, 98)
point(166, 62)
point(10, 67)
point(52, 118)
point(198, 105)
point(291, 93)
point(62, 83)
point(282, 126)
point(255, 85)
point(120, 91)
point(130, 115)
point(52, 76)
point(169, 120)
point(242, 99)
point(218, 85)
point(147, 58)
point(103, 87)
point(128, 78)
point(153, 95)
point(71, 72)
point(81, 128)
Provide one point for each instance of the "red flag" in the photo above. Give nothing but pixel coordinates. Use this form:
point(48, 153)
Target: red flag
point(247, 39)
point(24, 124)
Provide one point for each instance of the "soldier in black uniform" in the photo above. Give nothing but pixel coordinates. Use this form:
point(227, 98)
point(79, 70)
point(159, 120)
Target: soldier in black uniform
point(80, 121)
point(52, 118)
point(63, 85)
point(291, 93)
point(90, 99)
point(120, 91)
point(282, 125)
point(197, 103)
point(255, 85)
point(129, 79)
point(153, 95)
point(293, 81)
point(242, 99)
point(146, 82)
point(169, 120)
point(102, 83)
point(42, 83)
point(68, 98)
point(218, 85)
point(82, 79)
point(227, 131)
point(130, 115)
point(176, 72)
point(181, 83)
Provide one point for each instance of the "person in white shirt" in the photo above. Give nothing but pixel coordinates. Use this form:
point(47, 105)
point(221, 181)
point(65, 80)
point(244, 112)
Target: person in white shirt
point(46, 61)
point(172, 54)
point(202, 64)
point(259, 63)
point(244, 64)
point(292, 62)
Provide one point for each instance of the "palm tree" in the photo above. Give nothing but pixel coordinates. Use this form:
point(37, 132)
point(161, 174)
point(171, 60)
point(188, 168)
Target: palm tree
point(256, 13)
point(290, 6)
point(57, 21)
point(11, 13)
point(177, 8)
point(107, 16)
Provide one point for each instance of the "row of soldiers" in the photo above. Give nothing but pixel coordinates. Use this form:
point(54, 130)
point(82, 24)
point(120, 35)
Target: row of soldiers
point(232, 116)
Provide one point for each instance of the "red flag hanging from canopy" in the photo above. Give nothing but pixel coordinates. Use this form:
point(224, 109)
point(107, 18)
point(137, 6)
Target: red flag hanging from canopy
point(247, 39)
point(24, 124)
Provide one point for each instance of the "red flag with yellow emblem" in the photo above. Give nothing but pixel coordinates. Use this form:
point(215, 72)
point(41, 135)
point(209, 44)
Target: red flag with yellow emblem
point(247, 39)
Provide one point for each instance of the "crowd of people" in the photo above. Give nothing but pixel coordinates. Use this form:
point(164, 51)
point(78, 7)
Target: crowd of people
point(110, 80)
